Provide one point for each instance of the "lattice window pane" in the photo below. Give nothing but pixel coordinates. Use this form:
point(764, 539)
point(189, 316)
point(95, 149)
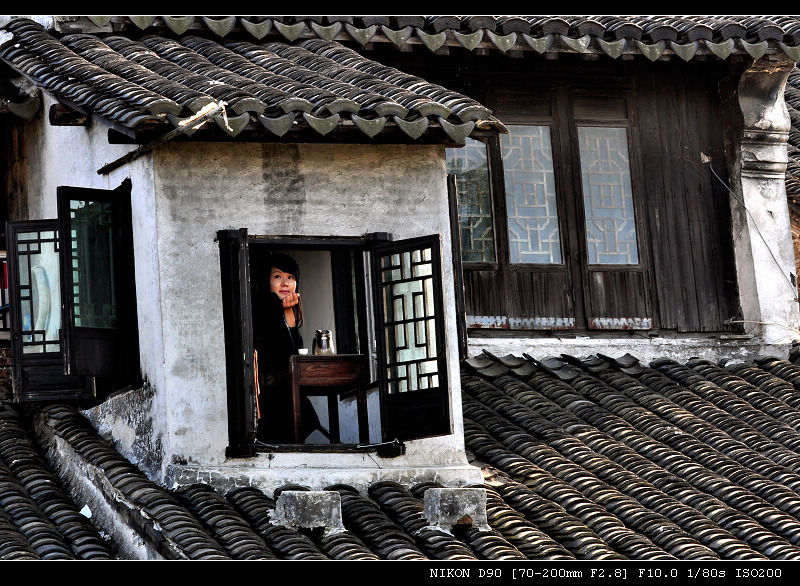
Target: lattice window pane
point(410, 321)
point(91, 242)
point(607, 196)
point(39, 291)
point(531, 196)
point(470, 167)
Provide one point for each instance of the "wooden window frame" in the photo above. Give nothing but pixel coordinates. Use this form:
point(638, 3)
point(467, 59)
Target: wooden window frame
point(566, 286)
point(91, 362)
point(237, 316)
point(36, 376)
point(109, 353)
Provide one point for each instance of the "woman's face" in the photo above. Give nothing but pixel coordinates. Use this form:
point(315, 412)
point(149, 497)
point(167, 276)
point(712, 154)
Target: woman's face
point(281, 283)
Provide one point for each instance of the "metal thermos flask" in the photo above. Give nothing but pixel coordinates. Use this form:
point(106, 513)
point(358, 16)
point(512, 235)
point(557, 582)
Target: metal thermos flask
point(323, 343)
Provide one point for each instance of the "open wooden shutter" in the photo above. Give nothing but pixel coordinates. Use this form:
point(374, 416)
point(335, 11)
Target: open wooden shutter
point(101, 336)
point(234, 264)
point(409, 319)
point(35, 314)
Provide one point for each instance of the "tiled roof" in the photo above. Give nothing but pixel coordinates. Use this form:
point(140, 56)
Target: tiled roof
point(269, 88)
point(653, 36)
point(594, 458)
point(196, 522)
point(298, 73)
point(38, 520)
point(792, 97)
point(691, 461)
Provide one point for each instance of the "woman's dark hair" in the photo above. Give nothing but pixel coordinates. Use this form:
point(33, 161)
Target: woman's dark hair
point(287, 264)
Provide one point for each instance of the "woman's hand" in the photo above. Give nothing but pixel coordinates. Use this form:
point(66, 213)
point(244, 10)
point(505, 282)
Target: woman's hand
point(291, 300)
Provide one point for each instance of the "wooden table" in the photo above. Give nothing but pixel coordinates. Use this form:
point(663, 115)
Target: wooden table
point(330, 376)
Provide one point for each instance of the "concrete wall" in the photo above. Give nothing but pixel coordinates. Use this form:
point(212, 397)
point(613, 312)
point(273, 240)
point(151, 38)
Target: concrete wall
point(312, 190)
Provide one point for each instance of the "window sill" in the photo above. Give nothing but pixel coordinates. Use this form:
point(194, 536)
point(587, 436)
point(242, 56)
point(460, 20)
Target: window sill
point(324, 448)
point(609, 334)
point(384, 450)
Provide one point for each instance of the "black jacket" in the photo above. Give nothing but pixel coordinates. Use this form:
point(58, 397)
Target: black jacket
point(275, 343)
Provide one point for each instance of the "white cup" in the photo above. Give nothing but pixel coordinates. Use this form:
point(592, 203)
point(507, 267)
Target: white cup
point(302, 351)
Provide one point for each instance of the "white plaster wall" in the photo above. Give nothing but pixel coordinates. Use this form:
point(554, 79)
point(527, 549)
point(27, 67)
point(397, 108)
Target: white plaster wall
point(762, 235)
point(314, 190)
point(773, 310)
point(71, 155)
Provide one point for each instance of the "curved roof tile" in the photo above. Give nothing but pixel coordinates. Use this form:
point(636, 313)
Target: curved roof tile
point(780, 31)
point(157, 79)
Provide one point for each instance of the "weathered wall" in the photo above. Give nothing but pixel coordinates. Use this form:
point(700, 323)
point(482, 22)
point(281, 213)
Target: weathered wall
point(313, 190)
point(129, 421)
point(764, 252)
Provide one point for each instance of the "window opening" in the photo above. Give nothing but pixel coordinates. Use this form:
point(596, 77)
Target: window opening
point(407, 396)
point(328, 285)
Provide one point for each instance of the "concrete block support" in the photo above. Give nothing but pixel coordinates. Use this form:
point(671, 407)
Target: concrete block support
point(447, 507)
point(309, 509)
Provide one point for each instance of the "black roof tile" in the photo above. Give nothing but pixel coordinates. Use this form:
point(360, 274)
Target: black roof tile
point(668, 461)
point(37, 516)
point(155, 79)
point(408, 30)
point(745, 488)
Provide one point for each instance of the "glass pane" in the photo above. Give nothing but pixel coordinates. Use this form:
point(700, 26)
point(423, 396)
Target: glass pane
point(531, 195)
point(410, 321)
point(39, 291)
point(94, 303)
point(470, 167)
point(607, 196)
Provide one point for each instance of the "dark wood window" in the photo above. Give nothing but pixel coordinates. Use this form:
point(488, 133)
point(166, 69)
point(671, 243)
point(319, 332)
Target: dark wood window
point(563, 221)
point(73, 298)
point(97, 274)
point(35, 314)
point(238, 334)
point(405, 312)
point(411, 345)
